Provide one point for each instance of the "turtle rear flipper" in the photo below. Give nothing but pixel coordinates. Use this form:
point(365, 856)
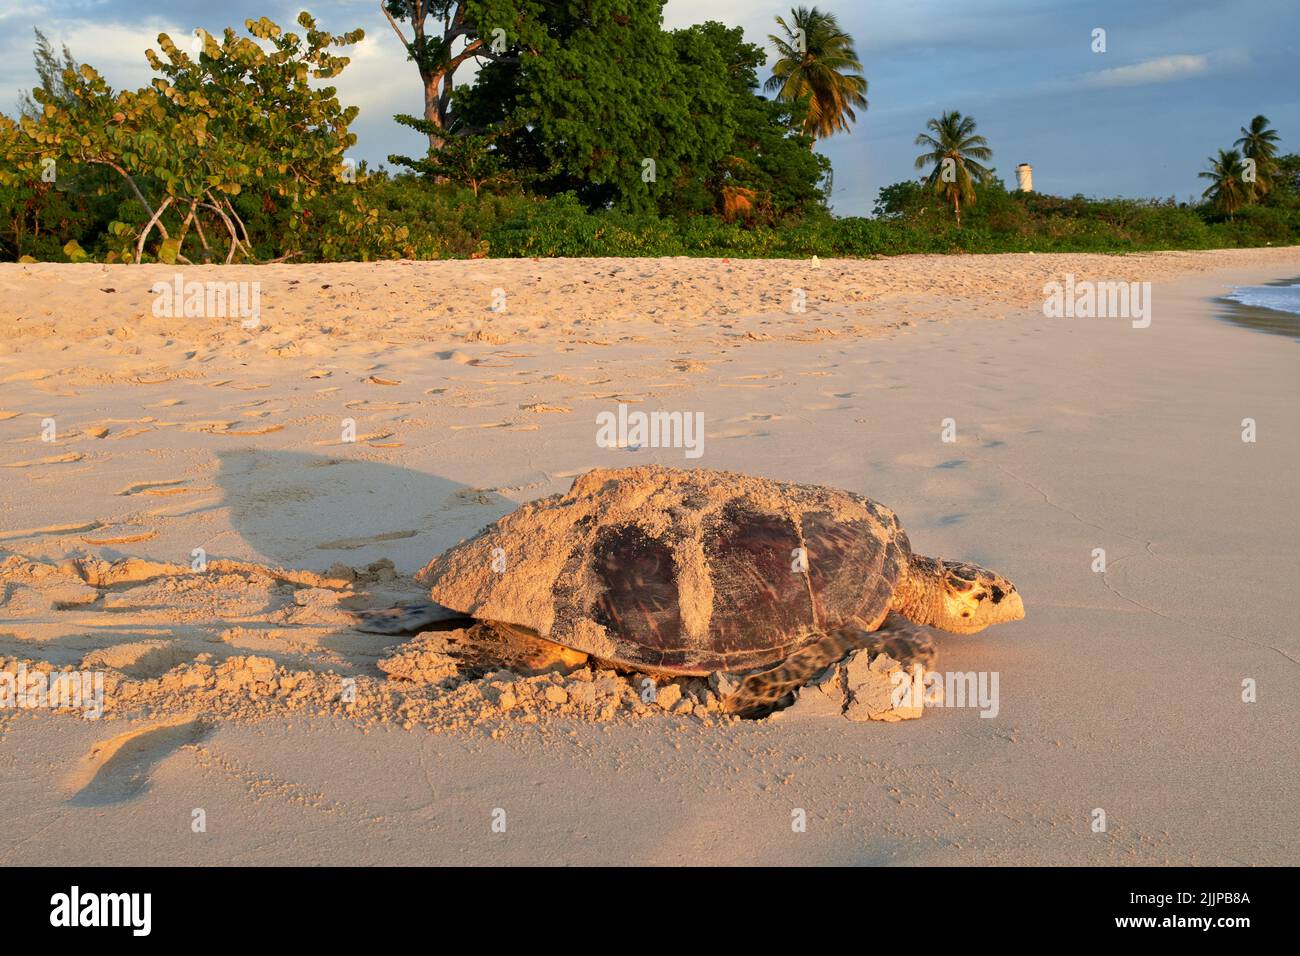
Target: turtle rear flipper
point(406, 618)
point(775, 688)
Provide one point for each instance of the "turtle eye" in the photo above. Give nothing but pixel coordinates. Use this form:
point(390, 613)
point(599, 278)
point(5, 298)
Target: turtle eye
point(998, 594)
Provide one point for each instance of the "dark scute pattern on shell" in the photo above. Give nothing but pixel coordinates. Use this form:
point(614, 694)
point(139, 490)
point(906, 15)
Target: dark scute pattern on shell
point(843, 559)
point(638, 596)
point(759, 600)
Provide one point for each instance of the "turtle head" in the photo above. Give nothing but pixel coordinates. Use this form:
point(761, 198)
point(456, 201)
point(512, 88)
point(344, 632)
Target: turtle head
point(957, 597)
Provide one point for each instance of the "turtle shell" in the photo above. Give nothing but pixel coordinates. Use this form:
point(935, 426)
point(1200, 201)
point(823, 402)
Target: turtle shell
point(680, 571)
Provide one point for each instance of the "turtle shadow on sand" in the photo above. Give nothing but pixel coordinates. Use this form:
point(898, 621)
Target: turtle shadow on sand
point(309, 511)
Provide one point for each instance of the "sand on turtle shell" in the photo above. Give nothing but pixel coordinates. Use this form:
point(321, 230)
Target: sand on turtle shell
point(519, 569)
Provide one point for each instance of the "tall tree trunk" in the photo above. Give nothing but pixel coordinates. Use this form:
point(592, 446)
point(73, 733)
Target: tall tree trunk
point(433, 107)
point(438, 78)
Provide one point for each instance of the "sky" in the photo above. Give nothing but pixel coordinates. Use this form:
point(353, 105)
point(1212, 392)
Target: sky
point(1177, 80)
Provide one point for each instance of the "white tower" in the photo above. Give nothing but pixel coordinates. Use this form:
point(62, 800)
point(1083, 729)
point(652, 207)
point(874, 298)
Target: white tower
point(1025, 177)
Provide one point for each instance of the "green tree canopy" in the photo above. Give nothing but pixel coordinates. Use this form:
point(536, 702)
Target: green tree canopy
point(602, 102)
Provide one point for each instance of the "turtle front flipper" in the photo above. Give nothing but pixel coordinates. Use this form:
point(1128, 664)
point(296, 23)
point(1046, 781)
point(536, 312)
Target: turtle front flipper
point(904, 641)
point(407, 618)
point(763, 692)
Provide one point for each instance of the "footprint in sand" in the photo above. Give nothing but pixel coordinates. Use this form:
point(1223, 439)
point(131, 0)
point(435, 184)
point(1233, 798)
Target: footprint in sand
point(48, 460)
point(614, 397)
point(118, 769)
point(738, 432)
point(244, 432)
point(121, 534)
point(157, 488)
point(53, 529)
point(363, 405)
point(374, 440)
point(30, 375)
point(350, 544)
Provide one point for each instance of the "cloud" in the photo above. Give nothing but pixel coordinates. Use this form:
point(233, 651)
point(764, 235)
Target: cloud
point(1165, 69)
point(115, 49)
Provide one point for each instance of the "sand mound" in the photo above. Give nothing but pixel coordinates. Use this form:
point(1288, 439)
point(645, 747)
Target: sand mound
point(867, 686)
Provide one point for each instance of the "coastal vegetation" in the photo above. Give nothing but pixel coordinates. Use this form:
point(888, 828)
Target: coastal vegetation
point(587, 130)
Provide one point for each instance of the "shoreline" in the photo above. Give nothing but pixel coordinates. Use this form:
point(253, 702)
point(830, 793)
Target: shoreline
point(1263, 318)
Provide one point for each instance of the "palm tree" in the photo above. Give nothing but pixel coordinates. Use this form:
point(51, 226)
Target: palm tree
point(1259, 143)
point(954, 150)
point(1227, 191)
point(818, 67)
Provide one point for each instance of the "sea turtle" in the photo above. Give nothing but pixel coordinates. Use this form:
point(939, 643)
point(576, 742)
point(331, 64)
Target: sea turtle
point(671, 571)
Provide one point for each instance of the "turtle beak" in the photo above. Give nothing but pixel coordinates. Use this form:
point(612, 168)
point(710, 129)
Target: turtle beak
point(999, 601)
point(1013, 608)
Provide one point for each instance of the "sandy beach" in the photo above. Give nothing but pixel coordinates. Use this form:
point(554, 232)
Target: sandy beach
point(130, 442)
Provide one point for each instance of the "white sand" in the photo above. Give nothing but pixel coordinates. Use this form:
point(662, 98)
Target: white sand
point(1119, 691)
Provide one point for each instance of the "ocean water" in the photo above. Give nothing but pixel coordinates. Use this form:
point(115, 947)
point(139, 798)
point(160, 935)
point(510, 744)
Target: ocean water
point(1273, 308)
point(1279, 298)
